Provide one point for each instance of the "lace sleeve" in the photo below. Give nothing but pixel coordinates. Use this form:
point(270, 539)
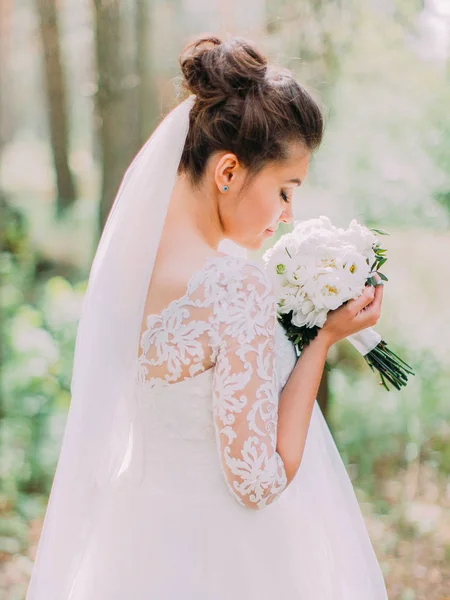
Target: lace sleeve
point(245, 389)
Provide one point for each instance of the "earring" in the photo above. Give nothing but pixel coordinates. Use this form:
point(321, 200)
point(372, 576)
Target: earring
point(225, 188)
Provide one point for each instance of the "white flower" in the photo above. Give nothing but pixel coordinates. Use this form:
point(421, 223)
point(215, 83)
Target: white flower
point(320, 317)
point(303, 313)
point(304, 228)
point(297, 274)
point(313, 318)
point(355, 269)
point(328, 291)
point(361, 238)
point(291, 298)
point(317, 267)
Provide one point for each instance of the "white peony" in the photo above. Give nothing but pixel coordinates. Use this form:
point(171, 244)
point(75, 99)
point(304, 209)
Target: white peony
point(317, 267)
point(361, 238)
point(312, 319)
point(328, 291)
point(323, 223)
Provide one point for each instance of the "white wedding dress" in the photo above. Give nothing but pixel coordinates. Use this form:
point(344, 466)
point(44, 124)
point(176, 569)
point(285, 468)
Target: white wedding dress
point(200, 510)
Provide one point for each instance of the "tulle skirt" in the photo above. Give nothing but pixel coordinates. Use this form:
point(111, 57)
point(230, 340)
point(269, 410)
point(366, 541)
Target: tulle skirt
point(311, 543)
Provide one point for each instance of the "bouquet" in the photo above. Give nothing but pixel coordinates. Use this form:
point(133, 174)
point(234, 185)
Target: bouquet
point(316, 268)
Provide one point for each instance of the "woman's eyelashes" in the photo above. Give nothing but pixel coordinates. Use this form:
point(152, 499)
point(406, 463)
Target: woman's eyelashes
point(284, 196)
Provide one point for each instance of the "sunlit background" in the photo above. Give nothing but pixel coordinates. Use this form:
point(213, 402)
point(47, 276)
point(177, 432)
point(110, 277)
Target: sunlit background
point(83, 83)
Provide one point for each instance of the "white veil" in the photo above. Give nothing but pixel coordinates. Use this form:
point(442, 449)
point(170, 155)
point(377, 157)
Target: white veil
point(97, 428)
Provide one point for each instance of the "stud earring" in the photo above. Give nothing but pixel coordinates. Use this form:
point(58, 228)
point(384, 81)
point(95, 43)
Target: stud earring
point(225, 188)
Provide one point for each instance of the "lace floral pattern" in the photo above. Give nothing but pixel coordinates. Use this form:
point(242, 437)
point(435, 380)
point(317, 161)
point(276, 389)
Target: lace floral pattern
point(176, 342)
point(245, 390)
point(226, 321)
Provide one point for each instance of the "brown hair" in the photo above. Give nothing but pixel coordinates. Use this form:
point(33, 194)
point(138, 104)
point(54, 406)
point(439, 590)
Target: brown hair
point(243, 105)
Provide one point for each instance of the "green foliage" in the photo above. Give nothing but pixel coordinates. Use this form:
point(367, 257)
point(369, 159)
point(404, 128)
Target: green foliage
point(379, 433)
point(38, 342)
point(386, 150)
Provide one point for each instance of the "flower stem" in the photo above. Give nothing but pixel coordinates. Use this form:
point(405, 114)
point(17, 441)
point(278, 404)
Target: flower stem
point(389, 366)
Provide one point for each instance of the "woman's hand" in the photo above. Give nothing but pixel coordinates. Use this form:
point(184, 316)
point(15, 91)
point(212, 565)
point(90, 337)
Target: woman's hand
point(354, 315)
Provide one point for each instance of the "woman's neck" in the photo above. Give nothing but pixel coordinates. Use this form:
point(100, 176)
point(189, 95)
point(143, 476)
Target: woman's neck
point(192, 219)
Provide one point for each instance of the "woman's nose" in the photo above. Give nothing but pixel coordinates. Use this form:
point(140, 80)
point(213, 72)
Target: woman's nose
point(287, 215)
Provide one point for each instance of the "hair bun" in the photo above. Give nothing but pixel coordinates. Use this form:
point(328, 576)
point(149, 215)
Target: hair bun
point(215, 70)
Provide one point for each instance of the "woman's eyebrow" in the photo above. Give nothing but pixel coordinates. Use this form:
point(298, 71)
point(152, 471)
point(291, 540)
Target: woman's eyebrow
point(295, 180)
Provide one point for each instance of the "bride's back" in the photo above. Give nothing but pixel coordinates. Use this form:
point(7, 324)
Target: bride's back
point(177, 332)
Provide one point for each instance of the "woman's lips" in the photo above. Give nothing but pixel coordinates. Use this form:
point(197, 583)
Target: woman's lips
point(269, 231)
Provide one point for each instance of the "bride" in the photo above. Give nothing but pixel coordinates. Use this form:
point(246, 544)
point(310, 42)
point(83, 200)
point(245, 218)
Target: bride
point(196, 462)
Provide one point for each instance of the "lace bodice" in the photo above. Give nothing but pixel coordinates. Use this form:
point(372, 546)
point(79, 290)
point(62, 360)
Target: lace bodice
point(203, 422)
point(224, 329)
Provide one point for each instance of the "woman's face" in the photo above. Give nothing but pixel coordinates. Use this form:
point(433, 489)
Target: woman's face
point(250, 216)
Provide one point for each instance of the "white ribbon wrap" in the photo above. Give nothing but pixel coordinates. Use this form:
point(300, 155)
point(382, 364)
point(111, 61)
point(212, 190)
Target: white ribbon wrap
point(365, 340)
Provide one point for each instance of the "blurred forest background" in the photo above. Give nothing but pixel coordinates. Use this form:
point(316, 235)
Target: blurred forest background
point(83, 84)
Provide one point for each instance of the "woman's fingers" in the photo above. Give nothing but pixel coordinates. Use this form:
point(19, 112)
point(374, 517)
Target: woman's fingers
point(367, 296)
point(378, 293)
point(370, 312)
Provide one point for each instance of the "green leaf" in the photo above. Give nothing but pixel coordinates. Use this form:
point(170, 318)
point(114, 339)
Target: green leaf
point(379, 231)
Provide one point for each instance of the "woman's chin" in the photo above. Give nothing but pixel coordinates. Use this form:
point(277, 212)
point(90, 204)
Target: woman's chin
point(254, 243)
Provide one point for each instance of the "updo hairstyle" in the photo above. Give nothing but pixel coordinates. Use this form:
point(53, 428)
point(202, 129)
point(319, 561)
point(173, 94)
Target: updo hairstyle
point(243, 105)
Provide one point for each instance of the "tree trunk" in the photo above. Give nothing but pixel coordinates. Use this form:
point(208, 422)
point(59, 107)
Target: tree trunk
point(115, 102)
point(147, 93)
point(56, 103)
point(323, 394)
point(6, 110)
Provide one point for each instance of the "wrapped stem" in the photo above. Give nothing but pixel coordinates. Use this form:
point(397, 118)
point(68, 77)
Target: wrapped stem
point(389, 365)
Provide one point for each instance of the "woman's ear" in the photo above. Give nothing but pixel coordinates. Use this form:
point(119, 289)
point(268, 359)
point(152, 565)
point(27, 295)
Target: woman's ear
point(226, 171)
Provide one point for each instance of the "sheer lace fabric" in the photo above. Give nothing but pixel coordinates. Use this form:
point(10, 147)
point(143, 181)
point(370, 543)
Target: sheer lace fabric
point(202, 451)
point(226, 319)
